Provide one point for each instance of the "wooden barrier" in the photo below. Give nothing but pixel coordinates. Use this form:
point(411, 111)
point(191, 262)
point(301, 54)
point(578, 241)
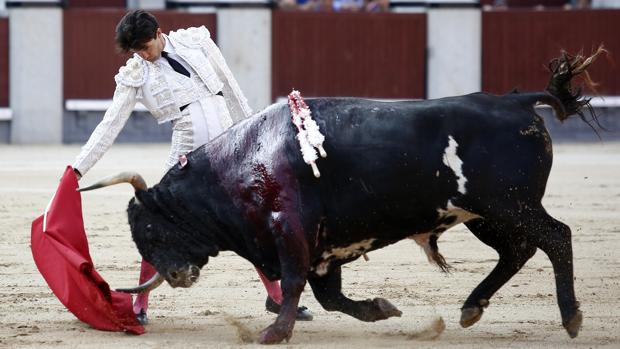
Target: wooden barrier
point(349, 54)
point(517, 46)
point(90, 56)
point(354, 54)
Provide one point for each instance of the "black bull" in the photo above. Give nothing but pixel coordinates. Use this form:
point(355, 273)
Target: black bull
point(394, 170)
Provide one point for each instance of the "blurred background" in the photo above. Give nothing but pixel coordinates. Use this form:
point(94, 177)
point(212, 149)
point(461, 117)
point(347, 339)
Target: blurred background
point(58, 59)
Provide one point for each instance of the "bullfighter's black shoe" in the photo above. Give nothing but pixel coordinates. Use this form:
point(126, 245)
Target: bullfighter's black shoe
point(142, 318)
point(303, 314)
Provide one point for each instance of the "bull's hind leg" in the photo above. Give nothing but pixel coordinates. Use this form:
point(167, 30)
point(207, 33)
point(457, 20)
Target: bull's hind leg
point(513, 249)
point(554, 238)
point(328, 291)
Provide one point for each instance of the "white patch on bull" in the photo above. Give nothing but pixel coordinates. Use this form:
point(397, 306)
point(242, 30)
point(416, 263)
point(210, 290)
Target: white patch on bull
point(452, 160)
point(322, 268)
point(355, 249)
point(460, 215)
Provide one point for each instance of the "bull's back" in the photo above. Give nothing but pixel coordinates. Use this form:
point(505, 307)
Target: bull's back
point(401, 161)
point(390, 165)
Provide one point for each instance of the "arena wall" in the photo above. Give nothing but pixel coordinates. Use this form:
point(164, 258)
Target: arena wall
point(430, 53)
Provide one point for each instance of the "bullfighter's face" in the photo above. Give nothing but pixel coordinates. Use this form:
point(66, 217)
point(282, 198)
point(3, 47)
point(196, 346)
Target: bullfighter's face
point(165, 245)
point(153, 48)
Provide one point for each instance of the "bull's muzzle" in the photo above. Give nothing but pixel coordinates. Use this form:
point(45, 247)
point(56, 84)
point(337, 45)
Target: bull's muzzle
point(184, 277)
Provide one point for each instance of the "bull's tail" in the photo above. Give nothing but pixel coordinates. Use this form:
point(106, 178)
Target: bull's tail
point(568, 100)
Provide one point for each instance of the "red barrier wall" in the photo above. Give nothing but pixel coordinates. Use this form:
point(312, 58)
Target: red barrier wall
point(4, 62)
point(349, 54)
point(90, 56)
point(518, 45)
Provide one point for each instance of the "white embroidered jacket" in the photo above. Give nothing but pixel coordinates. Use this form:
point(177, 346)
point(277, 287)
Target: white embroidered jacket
point(141, 80)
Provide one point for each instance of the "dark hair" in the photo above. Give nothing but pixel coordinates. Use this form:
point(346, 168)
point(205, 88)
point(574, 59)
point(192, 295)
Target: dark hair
point(135, 29)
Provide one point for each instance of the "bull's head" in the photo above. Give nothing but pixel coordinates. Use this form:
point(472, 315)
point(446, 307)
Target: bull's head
point(157, 237)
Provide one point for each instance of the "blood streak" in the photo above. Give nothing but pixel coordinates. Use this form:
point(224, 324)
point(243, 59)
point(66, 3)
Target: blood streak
point(267, 188)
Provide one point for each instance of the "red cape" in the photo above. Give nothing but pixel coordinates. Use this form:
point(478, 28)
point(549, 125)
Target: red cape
point(60, 251)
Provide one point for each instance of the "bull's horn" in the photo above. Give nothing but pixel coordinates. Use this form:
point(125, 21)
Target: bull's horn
point(150, 285)
point(132, 178)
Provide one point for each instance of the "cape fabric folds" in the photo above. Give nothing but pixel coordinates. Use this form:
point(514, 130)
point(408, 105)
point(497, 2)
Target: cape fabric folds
point(60, 251)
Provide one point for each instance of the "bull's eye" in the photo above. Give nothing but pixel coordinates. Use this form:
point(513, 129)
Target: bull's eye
point(148, 231)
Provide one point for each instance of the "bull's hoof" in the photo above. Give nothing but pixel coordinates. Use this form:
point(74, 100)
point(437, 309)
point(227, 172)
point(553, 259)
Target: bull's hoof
point(386, 309)
point(470, 316)
point(273, 335)
point(573, 326)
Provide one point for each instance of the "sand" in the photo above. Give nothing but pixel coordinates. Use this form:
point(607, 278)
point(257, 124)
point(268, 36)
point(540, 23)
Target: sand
point(227, 304)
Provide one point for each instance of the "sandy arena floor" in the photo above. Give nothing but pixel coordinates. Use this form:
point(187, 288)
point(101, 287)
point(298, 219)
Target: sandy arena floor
point(583, 191)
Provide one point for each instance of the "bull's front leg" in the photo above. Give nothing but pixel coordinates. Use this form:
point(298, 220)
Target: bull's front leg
point(294, 263)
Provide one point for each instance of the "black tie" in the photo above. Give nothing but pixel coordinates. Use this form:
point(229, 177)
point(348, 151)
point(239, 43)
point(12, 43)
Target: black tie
point(175, 64)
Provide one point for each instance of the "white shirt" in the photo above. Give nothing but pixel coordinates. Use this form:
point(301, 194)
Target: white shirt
point(172, 53)
point(200, 121)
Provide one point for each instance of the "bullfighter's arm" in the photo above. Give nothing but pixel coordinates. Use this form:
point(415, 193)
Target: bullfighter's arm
point(129, 79)
point(108, 129)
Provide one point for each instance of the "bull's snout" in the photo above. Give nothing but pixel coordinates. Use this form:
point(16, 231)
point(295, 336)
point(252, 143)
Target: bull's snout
point(183, 277)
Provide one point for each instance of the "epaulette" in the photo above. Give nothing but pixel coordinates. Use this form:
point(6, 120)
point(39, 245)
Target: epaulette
point(191, 37)
point(133, 73)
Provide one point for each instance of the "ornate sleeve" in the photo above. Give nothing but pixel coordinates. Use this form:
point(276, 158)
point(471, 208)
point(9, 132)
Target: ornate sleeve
point(216, 57)
point(200, 38)
point(108, 129)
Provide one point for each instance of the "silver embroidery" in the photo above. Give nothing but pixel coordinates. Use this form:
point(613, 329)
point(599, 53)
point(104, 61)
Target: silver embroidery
point(105, 133)
point(182, 139)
